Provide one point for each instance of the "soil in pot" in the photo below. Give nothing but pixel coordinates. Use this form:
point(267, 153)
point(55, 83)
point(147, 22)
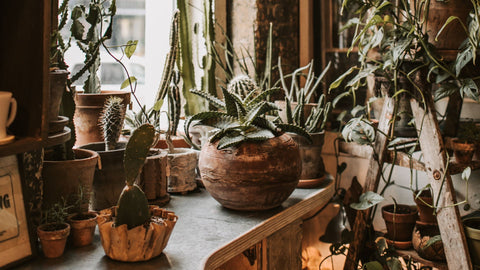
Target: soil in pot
point(53, 237)
point(400, 221)
point(82, 228)
point(472, 232)
point(422, 234)
point(423, 204)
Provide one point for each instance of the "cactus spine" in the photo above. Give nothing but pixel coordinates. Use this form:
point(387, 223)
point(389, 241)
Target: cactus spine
point(133, 204)
point(111, 121)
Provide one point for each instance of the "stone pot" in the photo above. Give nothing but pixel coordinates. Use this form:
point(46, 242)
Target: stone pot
point(252, 176)
point(141, 243)
point(472, 232)
point(64, 178)
point(400, 221)
point(87, 114)
point(53, 237)
point(181, 170)
point(109, 179)
point(422, 233)
point(82, 228)
point(153, 178)
point(423, 204)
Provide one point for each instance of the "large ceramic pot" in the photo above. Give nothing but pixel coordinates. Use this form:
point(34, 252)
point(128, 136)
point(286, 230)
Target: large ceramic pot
point(313, 169)
point(253, 175)
point(87, 114)
point(400, 221)
point(64, 178)
point(109, 179)
point(472, 232)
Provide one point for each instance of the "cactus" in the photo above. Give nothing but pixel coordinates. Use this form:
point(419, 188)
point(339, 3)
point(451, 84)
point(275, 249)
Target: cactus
point(241, 85)
point(174, 108)
point(111, 121)
point(133, 204)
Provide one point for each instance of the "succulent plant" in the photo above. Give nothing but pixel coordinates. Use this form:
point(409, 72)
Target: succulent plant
point(241, 85)
point(240, 119)
point(111, 121)
point(133, 204)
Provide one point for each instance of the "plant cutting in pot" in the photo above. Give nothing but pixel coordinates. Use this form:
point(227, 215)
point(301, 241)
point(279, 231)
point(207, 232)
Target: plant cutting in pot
point(297, 110)
point(82, 222)
point(133, 231)
point(400, 221)
point(464, 144)
point(53, 230)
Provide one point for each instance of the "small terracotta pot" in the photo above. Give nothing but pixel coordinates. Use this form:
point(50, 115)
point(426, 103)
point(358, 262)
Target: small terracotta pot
point(83, 227)
point(53, 237)
point(463, 152)
point(472, 231)
point(423, 204)
point(400, 221)
point(422, 233)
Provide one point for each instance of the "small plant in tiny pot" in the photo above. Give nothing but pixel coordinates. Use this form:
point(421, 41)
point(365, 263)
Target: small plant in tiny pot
point(145, 228)
point(82, 221)
point(464, 143)
point(400, 221)
point(424, 200)
point(53, 231)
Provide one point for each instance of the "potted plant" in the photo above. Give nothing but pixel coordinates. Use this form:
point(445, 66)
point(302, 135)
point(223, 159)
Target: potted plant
point(400, 221)
point(464, 144)
point(427, 242)
point(424, 200)
point(89, 31)
point(132, 223)
point(82, 222)
point(297, 110)
point(53, 230)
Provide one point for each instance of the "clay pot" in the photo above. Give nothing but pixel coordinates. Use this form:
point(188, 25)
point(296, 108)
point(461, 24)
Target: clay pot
point(463, 151)
point(472, 232)
point(153, 178)
point(178, 142)
point(87, 114)
point(82, 228)
point(253, 175)
point(181, 166)
point(423, 204)
point(109, 179)
point(53, 237)
point(141, 243)
point(422, 233)
point(311, 155)
point(400, 221)
point(63, 178)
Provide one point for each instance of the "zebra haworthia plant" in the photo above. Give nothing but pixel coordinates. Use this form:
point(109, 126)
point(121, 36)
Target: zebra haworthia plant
point(239, 118)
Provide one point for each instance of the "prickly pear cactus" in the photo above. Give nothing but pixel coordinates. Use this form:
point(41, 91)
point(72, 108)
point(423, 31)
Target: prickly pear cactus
point(132, 204)
point(111, 121)
point(241, 85)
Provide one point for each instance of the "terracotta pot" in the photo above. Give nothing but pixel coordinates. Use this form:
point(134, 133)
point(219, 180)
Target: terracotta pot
point(58, 83)
point(53, 237)
point(400, 224)
point(178, 142)
point(472, 232)
point(181, 170)
point(109, 179)
point(153, 178)
point(311, 155)
point(252, 176)
point(87, 114)
point(463, 151)
point(423, 204)
point(141, 243)
point(63, 178)
point(422, 233)
point(83, 228)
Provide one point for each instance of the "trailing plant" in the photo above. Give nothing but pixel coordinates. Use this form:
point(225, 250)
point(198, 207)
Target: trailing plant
point(316, 120)
point(111, 121)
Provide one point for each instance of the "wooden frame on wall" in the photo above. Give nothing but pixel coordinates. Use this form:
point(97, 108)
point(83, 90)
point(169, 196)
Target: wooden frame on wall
point(16, 240)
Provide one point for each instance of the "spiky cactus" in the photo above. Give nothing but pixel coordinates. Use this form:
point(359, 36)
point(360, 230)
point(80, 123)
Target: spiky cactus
point(133, 204)
point(242, 85)
point(111, 121)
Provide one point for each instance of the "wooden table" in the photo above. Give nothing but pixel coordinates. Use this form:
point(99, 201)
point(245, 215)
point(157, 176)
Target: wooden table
point(205, 236)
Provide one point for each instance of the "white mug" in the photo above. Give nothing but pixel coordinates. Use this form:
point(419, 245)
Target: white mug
point(8, 110)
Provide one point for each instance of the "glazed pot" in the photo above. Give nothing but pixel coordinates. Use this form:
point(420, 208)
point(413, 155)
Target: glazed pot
point(53, 237)
point(472, 232)
point(400, 221)
point(82, 228)
point(422, 233)
point(253, 175)
point(423, 204)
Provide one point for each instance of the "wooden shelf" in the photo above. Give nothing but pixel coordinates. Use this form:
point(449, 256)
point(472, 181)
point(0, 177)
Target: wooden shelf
point(416, 258)
point(20, 145)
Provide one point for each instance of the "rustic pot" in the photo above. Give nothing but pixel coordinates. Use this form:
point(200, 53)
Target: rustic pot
point(87, 114)
point(462, 151)
point(153, 178)
point(53, 237)
point(178, 142)
point(313, 169)
point(181, 166)
point(109, 179)
point(423, 204)
point(400, 224)
point(82, 228)
point(253, 175)
point(63, 178)
point(58, 83)
point(141, 243)
point(472, 231)
point(421, 234)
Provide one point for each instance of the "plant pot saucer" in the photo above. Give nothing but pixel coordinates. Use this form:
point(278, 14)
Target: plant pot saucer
point(57, 125)
point(399, 244)
point(7, 140)
point(311, 183)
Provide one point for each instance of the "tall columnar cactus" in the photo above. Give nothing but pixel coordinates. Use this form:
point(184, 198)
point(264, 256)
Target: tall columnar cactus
point(133, 204)
point(111, 121)
point(174, 108)
point(242, 85)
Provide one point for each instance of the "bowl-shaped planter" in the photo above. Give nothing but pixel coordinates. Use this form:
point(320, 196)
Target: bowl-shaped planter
point(424, 233)
point(53, 237)
point(141, 243)
point(253, 175)
point(400, 221)
point(82, 228)
point(472, 231)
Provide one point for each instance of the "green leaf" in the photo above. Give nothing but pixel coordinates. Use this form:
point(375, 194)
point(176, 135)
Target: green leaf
point(295, 129)
point(432, 241)
point(130, 80)
point(446, 90)
point(228, 141)
point(130, 48)
point(259, 135)
point(367, 200)
point(373, 266)
point(394, 263)
point(339, 97)
point(340, 79)
point(158, 105)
